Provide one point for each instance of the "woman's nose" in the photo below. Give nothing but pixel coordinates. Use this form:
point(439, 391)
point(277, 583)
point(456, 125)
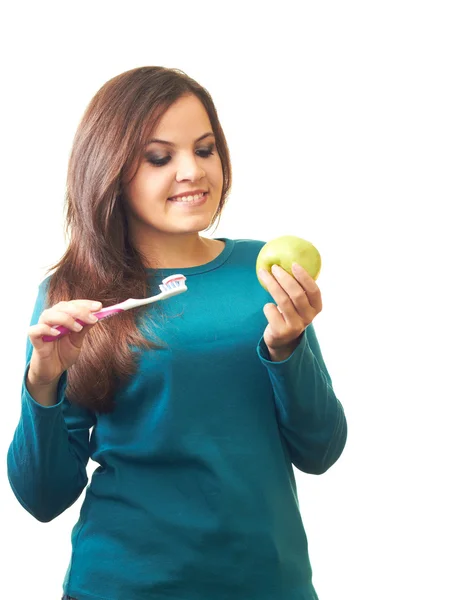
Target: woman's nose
point(189, 169)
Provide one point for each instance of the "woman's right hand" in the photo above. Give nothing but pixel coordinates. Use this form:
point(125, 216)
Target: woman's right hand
point(51, 359)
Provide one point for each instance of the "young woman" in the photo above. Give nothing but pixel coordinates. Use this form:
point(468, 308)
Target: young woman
point(198, 405)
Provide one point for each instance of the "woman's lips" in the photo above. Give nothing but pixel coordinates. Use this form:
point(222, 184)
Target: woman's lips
point(197, 200)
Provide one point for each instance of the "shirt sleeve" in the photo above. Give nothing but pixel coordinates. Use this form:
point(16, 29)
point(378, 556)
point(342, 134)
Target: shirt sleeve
point(47, 457)
point(310, 417)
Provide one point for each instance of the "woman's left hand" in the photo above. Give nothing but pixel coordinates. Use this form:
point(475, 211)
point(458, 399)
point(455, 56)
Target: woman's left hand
point(298, 302)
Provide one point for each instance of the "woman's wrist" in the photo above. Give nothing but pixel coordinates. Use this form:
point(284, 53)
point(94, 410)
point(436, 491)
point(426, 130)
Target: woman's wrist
point(42, 393)
point(284, 352)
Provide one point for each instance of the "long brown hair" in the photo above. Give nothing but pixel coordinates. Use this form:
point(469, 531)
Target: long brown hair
point(100, 263)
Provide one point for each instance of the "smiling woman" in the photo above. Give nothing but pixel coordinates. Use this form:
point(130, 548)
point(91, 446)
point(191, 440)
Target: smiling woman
point(176, 188)
point(197, 408)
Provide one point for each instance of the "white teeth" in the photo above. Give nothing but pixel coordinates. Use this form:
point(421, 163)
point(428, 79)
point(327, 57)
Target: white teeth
point(188, 198)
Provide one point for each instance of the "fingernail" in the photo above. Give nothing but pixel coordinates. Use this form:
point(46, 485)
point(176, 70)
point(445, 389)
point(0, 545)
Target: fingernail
point(92, 318)
point(275, 270)
point(54, 331)
point(296, 267)
point(77, 326)
point(263, 273)
point(96, 305)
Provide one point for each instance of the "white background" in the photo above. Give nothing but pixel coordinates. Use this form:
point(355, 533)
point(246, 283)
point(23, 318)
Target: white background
point(351, 124)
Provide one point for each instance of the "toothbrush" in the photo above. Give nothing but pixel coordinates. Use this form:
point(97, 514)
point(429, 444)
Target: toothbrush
point(170, 286)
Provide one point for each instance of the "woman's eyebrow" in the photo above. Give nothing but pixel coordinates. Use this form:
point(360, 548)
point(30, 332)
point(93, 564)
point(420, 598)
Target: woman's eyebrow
point(157, 141)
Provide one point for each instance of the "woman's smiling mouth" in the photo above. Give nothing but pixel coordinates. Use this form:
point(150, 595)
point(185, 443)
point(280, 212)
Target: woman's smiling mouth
point(191, 199)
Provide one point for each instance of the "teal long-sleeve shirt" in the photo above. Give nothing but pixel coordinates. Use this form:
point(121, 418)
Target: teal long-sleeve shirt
point(194, 497)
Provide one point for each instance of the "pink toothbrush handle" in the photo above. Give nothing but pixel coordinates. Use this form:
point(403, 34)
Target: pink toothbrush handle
point(102, 314)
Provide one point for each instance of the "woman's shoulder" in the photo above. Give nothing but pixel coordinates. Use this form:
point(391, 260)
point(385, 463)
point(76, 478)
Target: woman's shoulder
point(44, 284)
point(245, 249)
point(251, 244)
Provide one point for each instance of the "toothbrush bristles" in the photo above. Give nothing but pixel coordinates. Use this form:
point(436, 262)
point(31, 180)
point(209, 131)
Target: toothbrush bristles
point(170, 283)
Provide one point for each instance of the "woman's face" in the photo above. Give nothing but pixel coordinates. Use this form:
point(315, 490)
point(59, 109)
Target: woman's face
point(178, 185)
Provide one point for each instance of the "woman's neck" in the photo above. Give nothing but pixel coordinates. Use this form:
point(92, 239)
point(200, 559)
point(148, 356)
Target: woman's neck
point(180, 252)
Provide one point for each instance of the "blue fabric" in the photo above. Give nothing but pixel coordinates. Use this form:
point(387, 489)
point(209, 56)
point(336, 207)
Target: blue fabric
point(194, 496)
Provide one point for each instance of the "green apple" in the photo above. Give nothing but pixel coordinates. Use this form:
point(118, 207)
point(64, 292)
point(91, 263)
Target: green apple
point(286, 250)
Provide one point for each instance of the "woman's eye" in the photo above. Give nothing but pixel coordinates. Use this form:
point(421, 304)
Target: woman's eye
point(206, 152)
point(158, 161)
point(161, 161)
